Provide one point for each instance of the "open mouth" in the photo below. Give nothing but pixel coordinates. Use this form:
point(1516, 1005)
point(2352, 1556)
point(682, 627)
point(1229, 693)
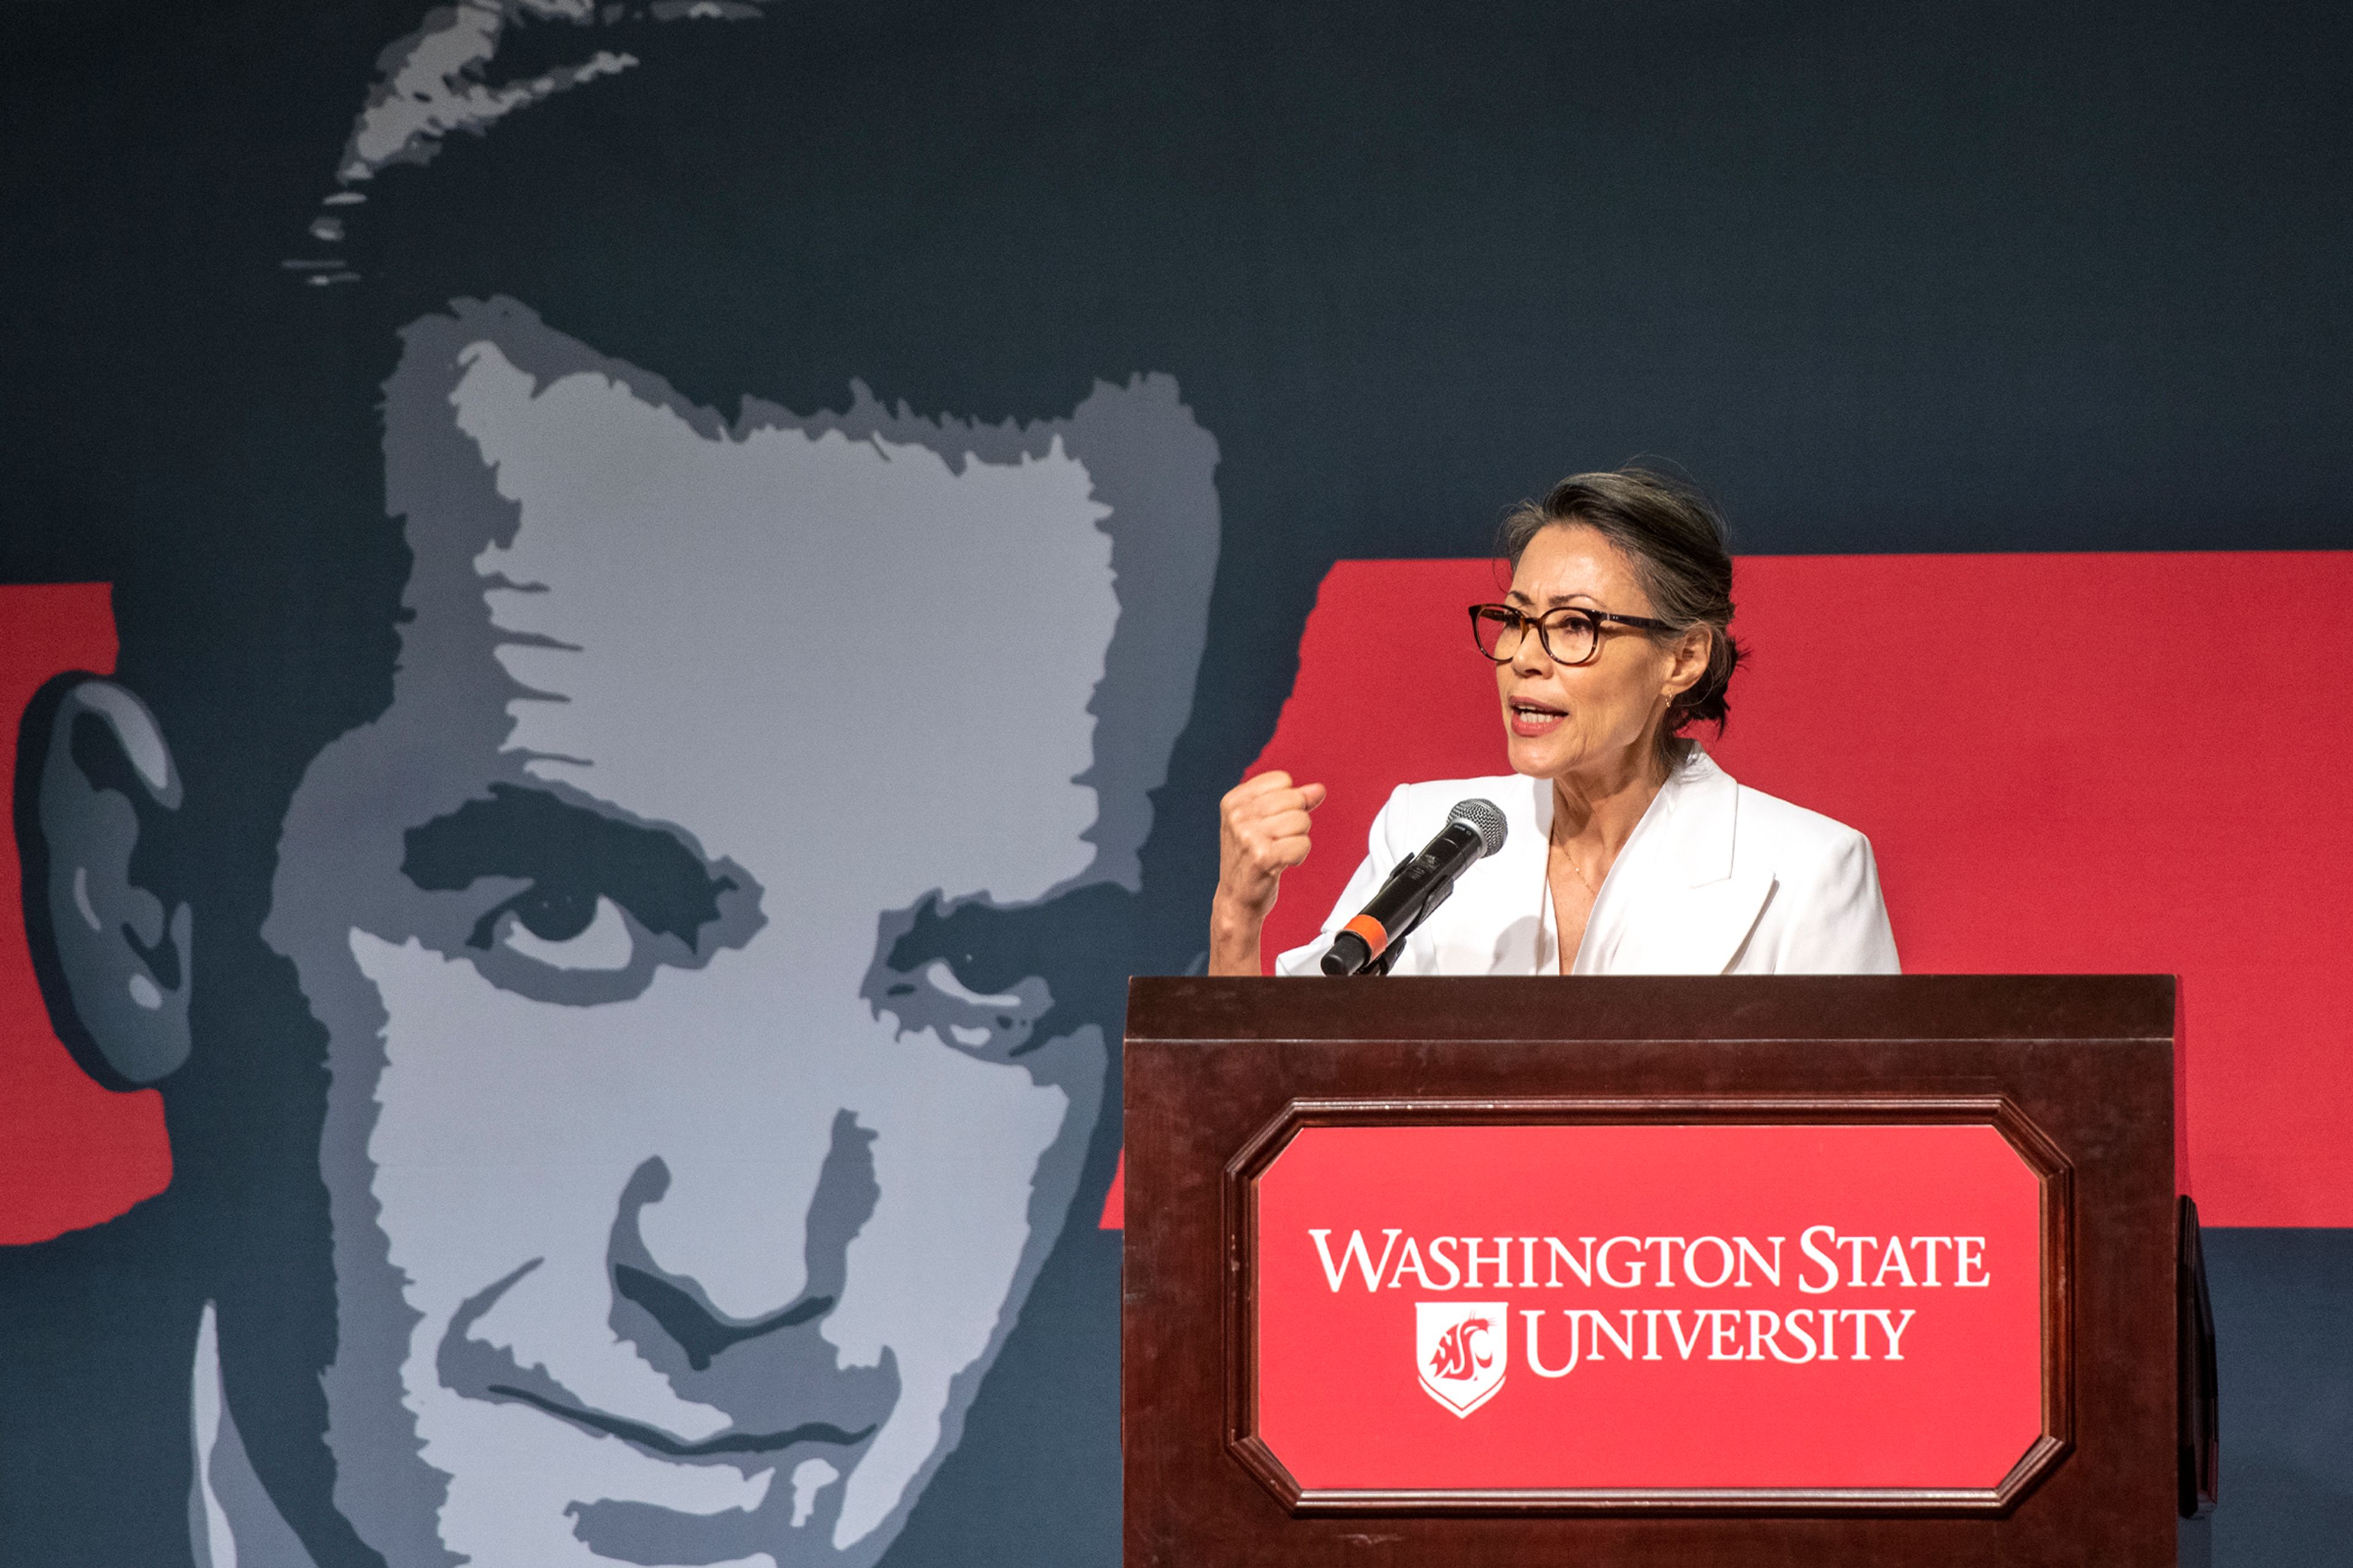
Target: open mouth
point(1531, 718)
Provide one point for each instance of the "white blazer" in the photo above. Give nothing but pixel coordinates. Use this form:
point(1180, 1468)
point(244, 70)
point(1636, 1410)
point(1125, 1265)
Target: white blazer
point(1717, 878)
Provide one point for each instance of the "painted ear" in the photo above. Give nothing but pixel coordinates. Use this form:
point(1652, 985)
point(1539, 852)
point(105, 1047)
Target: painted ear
point(96, 795)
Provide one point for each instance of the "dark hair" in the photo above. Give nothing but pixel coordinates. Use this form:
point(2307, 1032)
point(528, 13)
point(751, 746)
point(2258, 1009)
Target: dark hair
point(1676, 538)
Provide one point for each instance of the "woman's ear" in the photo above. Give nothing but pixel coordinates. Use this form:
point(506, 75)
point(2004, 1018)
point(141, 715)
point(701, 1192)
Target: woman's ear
point(1690, 665)
point(107, 930)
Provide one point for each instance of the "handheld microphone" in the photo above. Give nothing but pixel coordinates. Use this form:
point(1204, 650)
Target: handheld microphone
point(1475, 829)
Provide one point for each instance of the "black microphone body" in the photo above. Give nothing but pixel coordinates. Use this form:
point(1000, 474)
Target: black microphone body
point(1473, 832)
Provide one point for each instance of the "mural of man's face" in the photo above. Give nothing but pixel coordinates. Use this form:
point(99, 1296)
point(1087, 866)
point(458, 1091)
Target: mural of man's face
point(681, 1198)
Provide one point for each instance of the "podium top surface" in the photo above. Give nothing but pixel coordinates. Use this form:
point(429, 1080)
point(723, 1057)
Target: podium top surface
point(2086, 1007)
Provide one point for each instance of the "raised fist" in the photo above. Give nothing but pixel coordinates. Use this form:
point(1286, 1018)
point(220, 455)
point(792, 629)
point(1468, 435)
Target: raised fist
point(1261, 833)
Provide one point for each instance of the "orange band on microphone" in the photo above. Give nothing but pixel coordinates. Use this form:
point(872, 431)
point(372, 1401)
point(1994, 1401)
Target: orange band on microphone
point(1376, 935)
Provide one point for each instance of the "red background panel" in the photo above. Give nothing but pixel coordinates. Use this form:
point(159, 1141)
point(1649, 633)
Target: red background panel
point(71, 1153)
point(2067, 764)
point(1339, 1401)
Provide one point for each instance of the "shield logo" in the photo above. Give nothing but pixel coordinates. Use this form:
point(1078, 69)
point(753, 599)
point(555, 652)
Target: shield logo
point(1461, 1349)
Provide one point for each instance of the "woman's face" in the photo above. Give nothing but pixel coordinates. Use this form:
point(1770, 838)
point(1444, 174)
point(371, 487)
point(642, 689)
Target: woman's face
point(1599, 716)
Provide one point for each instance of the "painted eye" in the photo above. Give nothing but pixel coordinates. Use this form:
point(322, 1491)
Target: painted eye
point(587, 905)
point(602, 940)
point(985, 1025)
point(998, 1021)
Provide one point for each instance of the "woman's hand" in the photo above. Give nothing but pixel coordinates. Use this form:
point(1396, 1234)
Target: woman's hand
point(1261, 834)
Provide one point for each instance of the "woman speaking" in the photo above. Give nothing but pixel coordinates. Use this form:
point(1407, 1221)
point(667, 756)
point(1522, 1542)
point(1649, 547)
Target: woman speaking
point(1626, 850)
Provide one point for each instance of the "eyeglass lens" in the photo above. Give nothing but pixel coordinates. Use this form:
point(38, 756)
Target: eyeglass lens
point(1568, 638)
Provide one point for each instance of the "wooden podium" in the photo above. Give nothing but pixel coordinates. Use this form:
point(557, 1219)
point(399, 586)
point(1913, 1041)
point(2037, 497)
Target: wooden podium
point(1655, 1271)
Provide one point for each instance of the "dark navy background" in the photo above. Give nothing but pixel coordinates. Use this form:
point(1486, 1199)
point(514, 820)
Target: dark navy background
point(1888, 278)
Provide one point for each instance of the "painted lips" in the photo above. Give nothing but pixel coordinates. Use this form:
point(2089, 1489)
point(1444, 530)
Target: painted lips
point(657, 1441)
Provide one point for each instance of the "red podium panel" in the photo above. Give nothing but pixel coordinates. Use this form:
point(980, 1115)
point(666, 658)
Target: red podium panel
point(1663, 1272)
point(1591, 1309)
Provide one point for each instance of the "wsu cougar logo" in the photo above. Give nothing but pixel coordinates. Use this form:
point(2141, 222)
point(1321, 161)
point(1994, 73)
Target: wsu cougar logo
point(1460, 1349)
point(1457, 1354)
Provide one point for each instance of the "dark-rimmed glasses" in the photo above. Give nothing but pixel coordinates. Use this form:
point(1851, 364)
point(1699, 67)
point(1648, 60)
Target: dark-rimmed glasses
point(1571, 635)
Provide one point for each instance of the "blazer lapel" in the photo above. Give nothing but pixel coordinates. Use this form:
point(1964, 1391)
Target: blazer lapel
point(1699, 930)
point(1698, 904)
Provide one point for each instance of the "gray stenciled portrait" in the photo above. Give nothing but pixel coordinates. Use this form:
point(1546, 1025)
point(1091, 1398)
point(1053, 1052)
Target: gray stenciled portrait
point(682, 1008)
point(683, 1192)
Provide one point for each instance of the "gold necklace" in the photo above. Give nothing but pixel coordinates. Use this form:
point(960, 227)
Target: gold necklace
point(1591, 892)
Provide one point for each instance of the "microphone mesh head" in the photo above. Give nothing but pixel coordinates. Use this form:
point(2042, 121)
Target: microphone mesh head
point(1486, 820)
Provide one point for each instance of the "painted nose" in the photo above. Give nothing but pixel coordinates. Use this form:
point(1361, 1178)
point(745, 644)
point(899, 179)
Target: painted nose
point(712, 1264)
point(699, 1333)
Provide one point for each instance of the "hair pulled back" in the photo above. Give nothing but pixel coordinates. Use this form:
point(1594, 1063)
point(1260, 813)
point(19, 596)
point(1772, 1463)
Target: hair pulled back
point(1674, 537)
